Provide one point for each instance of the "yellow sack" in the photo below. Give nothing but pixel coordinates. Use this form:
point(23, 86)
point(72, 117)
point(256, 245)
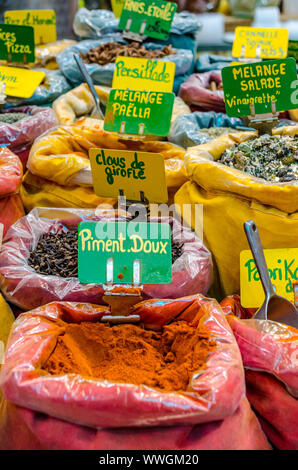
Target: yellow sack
point(229, 198)
point(79, 102)
point(6, 321)
point(61, 155)
point(45, 55)
point(38, 192)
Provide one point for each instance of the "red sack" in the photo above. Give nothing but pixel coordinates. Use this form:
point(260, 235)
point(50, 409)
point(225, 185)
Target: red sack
point(23, 429)
point(11, 209)
point(21, 285)
point(214, 392)
point(195, 91)
point(277, 409)
point(231, 305)
point(11, 173)
point(270, 355)
point(270, 347)
point(20, 135)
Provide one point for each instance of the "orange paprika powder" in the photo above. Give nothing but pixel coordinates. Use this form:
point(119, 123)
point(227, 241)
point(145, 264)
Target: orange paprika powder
point(128, 353)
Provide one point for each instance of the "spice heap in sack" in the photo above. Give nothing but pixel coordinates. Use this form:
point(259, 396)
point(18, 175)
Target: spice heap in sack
point(204, 92)
point(39, 257)
point(11, 173)
point(108, 53)
point(157, 402)
point(273, 158)
point(103, 74)
point(227, 178)
point(60, 156)
point(21, 125)
point(270, 356)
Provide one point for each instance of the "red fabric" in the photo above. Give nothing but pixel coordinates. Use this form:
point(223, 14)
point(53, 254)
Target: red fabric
point(20, 135)
point(11, 172)
point(276, 408)
point(231, 305)
point(192, 271)
point(23, 429)
point(270, 347)
point(195, 91)
point(270, 356)
point(11, 209)
point(214, 393)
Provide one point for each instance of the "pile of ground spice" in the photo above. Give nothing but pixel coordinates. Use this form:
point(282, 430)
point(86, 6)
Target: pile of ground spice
point(11, 118)
point(107, 53)
point(128, 353)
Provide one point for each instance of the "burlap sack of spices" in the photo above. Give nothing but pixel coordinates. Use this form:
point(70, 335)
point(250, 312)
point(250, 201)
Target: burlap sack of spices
point(26, 288)
point(229, 198)
point(269, 352)
point(11, 172)
point(79, 102)
point(147, 415)
point(19, 136)
point(61, 155)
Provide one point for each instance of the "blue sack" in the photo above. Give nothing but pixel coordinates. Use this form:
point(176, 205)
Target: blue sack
point(185, 130)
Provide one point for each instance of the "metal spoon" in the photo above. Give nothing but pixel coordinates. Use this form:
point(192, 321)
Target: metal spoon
point(97, 113)
point(275, 307)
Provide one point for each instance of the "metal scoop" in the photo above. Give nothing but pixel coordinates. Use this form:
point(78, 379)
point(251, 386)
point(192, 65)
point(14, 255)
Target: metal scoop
point(97, 112)
point(275, 307)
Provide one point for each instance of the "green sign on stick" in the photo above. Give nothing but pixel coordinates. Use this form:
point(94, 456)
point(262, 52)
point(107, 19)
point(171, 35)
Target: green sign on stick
point(260, 84)
point(148, 17)
point(17, 43)
point(139, 112)
point(121, 244)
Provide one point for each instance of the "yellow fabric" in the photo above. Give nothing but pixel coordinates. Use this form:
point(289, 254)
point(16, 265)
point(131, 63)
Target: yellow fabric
point(46, 54)
point(293, 113)
point(38, 192)
point(229, 198)
point(62, 153)
point(223, 216)
point(79, 102)
point(6, 320)
point(286, 130)
point(201, 167)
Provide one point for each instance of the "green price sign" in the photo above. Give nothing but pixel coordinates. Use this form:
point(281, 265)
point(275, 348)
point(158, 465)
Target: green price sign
point(139, 112)
point(148, 17)
point(17, 43)
point(109, 251)
point(259, 85)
